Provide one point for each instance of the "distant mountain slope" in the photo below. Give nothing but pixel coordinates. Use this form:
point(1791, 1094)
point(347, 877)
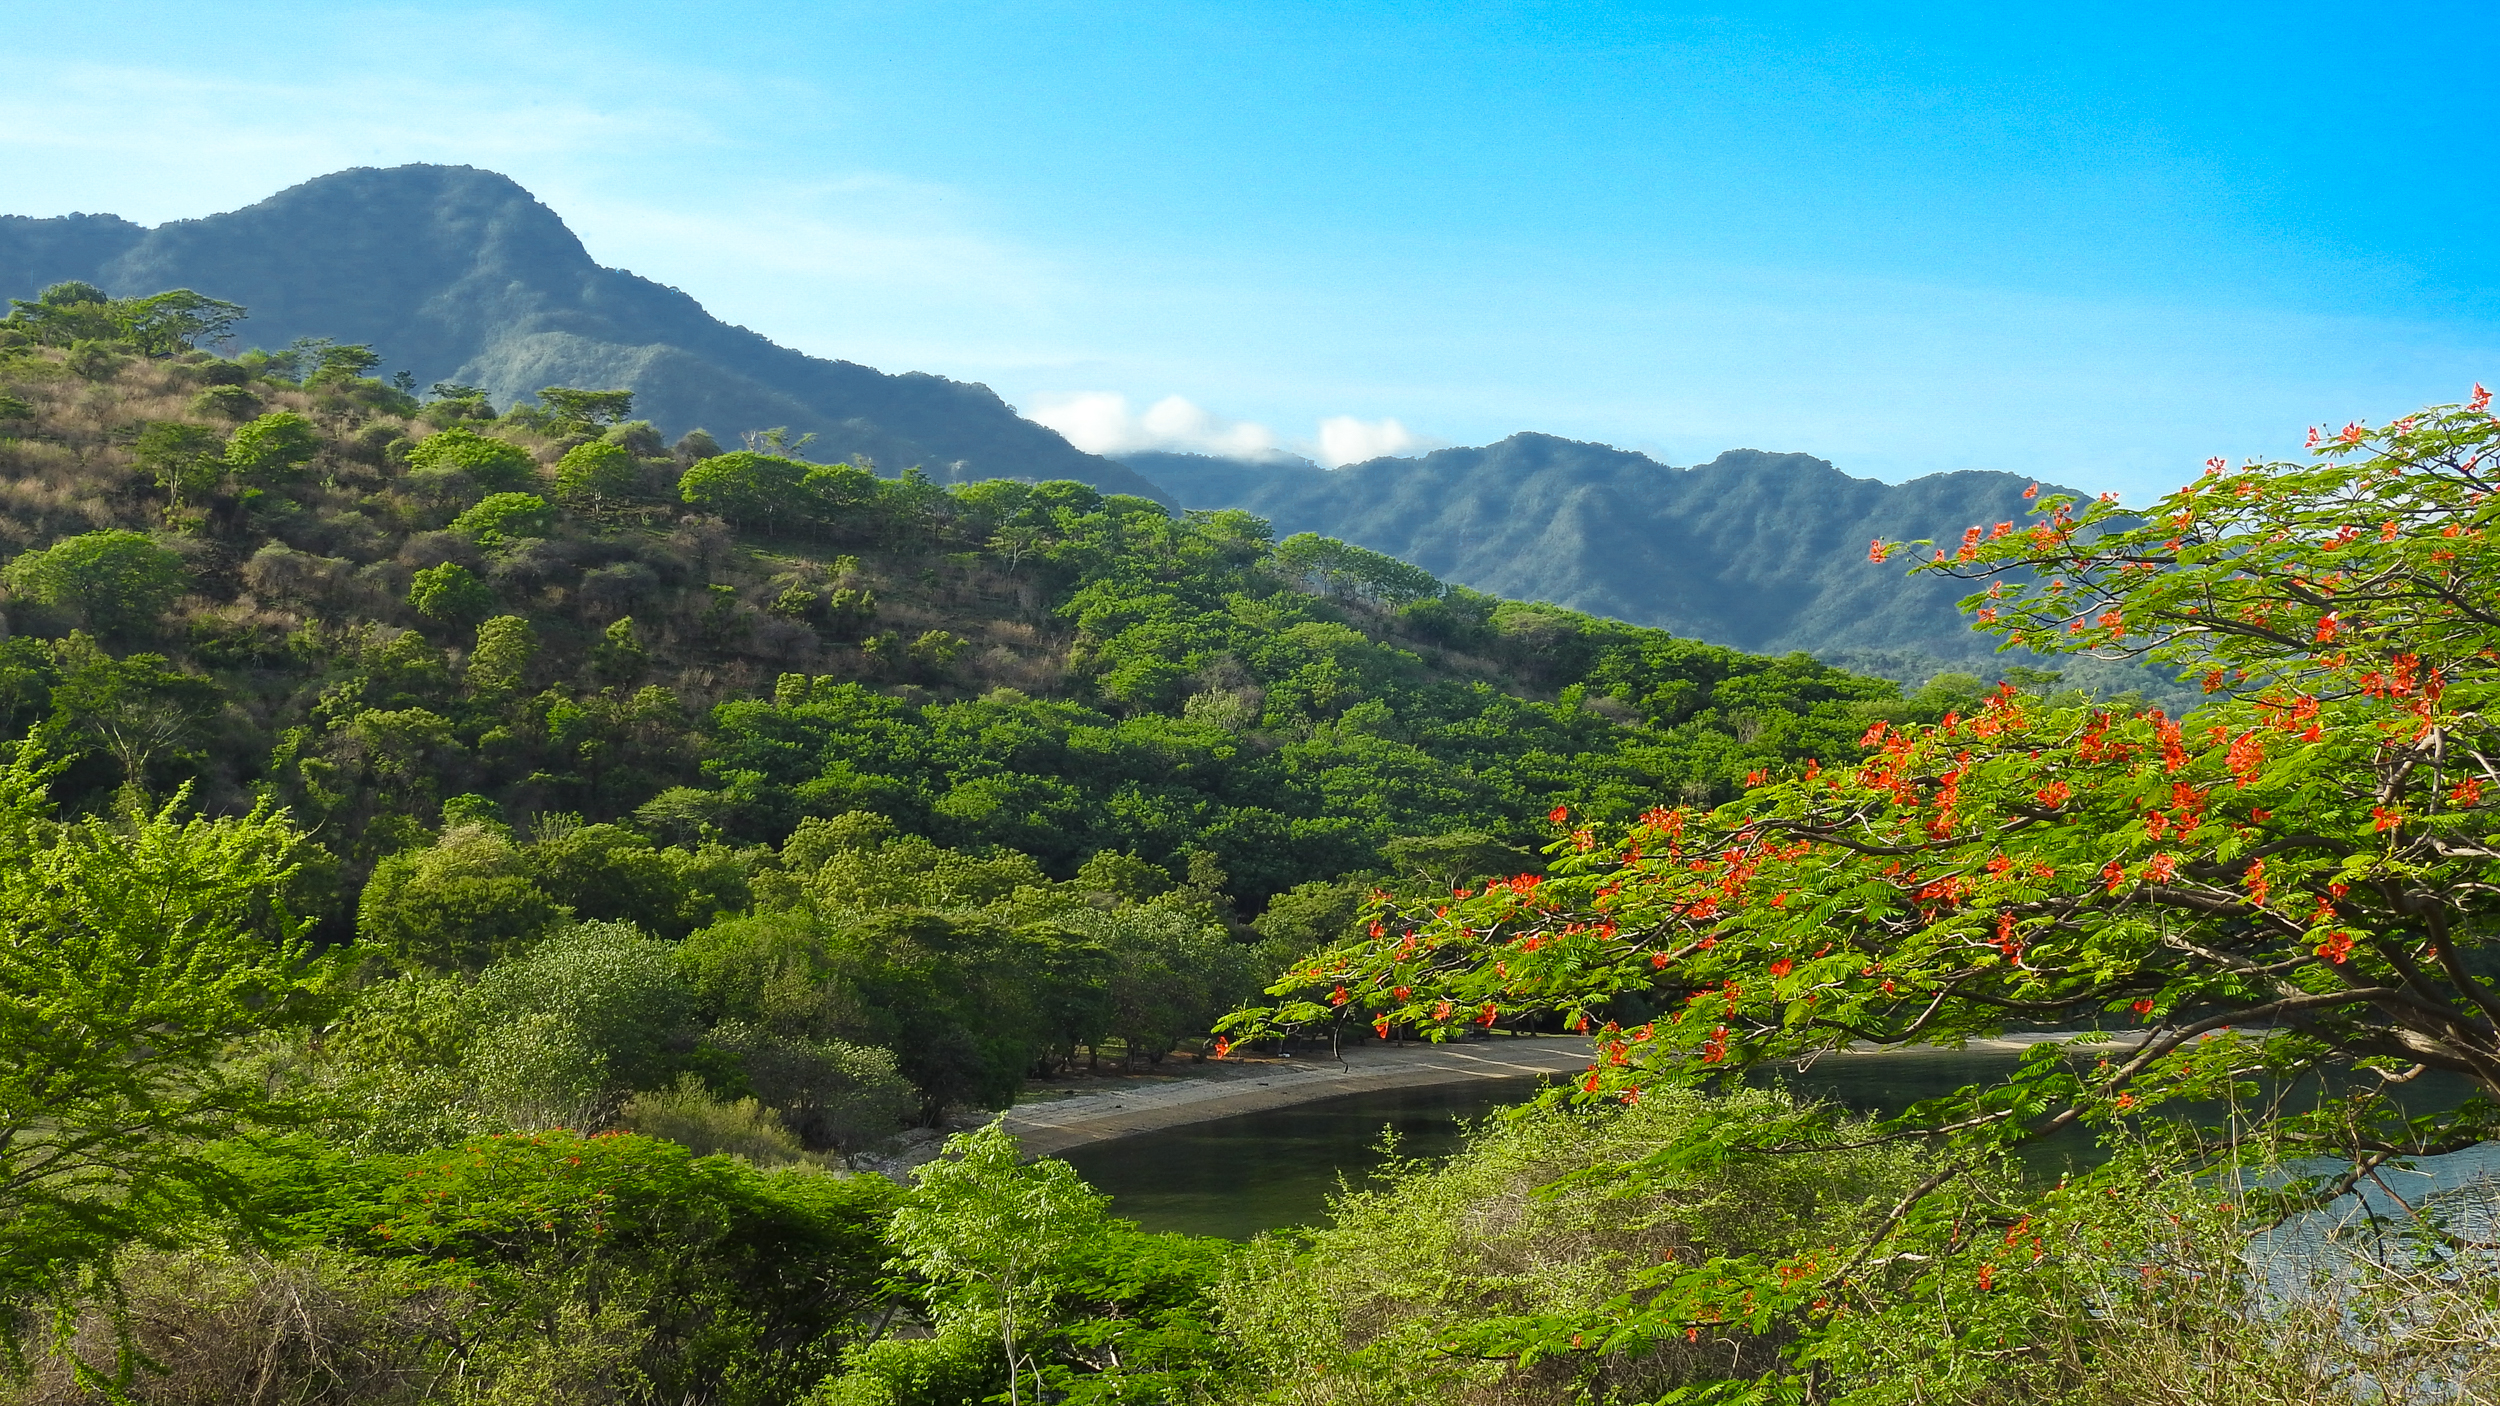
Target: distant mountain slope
point(459, 274)
point(1753, 550)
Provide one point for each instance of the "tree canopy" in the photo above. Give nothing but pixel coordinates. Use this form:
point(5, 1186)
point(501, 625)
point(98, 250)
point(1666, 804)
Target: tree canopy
point(2295, 879)
point(120, 581)
point(132, 957)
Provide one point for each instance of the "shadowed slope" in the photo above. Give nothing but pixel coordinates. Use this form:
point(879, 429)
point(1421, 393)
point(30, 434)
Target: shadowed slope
point(1758, 551)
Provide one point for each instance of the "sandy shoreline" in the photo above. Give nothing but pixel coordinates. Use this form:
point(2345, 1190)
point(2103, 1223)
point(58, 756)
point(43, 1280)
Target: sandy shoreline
point(1138, 1106)
point(1101, 1109)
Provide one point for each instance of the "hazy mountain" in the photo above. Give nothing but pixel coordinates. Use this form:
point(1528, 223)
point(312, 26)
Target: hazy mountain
point(458, 274)
point(1758, 551)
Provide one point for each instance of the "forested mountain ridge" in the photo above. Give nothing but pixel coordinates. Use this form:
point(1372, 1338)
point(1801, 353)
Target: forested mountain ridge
point(1753, 550)
point(276, 576)
point(460, 275)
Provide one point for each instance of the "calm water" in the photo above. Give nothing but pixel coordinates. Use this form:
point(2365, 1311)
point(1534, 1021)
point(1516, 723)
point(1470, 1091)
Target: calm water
point(1263, 1171)
point(1260, 1171)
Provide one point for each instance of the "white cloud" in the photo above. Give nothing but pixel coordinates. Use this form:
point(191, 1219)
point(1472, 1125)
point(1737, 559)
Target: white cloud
point(1345, 440)
point(1100, 422)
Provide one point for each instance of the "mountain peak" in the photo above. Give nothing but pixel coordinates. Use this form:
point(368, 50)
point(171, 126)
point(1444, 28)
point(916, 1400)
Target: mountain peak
point(457, 273)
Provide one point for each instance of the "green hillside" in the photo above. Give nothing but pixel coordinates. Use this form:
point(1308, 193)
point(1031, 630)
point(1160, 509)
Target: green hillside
point(416, 601)
point(754, 804)
point(480, 889)
point(1760, 551)
point(512, 668)
point(460, 274)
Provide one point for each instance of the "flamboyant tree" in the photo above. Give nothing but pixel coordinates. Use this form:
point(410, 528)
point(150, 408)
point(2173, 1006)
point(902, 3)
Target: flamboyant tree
point(2301, 875)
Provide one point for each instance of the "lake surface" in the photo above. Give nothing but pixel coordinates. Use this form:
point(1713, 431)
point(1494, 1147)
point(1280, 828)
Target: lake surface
point(1237, 1176)
point(1262, 1171)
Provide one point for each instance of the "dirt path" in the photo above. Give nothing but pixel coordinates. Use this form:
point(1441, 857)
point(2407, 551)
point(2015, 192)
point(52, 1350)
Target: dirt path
point(1140, 1106)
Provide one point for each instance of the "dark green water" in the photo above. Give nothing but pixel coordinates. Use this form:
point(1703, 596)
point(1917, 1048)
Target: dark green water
point(1261, 1171)
point(1264, 1171)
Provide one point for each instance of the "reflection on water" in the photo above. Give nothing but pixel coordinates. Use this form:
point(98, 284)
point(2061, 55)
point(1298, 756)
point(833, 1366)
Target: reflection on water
point(1262, 1171)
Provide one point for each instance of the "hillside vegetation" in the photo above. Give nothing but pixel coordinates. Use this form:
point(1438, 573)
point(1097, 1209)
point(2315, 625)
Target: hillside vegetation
point(516, 669)
point(460, 274)
point(1755, 550)
point(476, 883)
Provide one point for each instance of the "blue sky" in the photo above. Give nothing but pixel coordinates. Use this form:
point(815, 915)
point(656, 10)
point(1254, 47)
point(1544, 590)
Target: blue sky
point(2095, 244)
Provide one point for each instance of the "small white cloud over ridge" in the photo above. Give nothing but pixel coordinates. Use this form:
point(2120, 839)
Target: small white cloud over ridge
point(1345, 440)
point(1101, 422)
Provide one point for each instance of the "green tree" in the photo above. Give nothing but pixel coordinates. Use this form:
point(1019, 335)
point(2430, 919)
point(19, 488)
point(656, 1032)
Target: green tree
point(500, 662)
point(499, 517)
point(569, 1027)
point(64, 313)
point(985, 1228)
point(581, 411)
point(1329, 567)
point(175, 321)
point(135, 708)
point(2294, 881)
point(121, 582)
point(458, 904)
point(451, 593)
point(273, 446)
point(341, 362)
point(187, 461)
point(460, 461)
point(761, 492)
point(619, 657)
point(159, 325)
point(830, 1093)
point(132, 956)
point(595, 477)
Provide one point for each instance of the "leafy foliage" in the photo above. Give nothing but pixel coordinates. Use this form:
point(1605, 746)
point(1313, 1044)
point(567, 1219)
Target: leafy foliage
point(121, 582)
point(135, 954)
point(2294, 880)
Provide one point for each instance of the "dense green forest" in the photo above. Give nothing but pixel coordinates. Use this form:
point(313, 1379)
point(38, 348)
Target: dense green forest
point(759, 804)
point(483, 884)
point(513, 670)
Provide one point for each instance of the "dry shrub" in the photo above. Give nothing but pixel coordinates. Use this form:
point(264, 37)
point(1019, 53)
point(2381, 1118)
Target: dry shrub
point(221, 1331)
point(2305, 1319)
point(1358, 1314)
point(687, 1114)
